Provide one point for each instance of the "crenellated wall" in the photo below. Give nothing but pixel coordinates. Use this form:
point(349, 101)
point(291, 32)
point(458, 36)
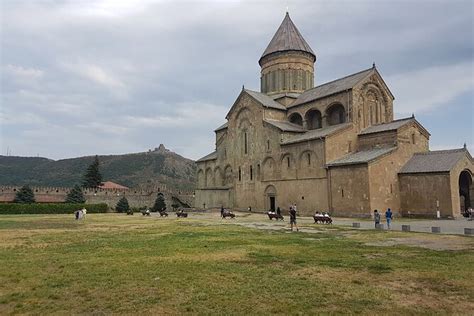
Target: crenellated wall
point(135, 197)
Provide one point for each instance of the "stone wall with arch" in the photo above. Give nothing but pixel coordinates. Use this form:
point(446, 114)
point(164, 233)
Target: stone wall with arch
point(287, 166)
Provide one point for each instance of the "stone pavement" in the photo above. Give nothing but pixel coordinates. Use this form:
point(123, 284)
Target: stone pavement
point(453, 226)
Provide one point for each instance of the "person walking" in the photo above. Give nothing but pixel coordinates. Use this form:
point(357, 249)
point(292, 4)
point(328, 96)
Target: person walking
point(376, 218)
point(222, 211)
point(293, 218)
point(388, 217)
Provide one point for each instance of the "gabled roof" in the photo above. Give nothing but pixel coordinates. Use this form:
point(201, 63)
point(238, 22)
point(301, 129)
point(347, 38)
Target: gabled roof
point(332, 87)
point(265, 100)
point(391, 126)
point(287, 38)
point(434, 161)
point(223, 126)
point(285, 126)
point(211, 156)
point(261, 98)
point(112, 185)
point(385, 127)
point(361, 157)
point(315, 134)
point(292, 95)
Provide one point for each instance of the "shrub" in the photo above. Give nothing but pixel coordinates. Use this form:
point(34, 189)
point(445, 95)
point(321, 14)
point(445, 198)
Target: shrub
point(50, 208)
point(25, 195)
point(75, 195)
point(160, 204)
point(122, 205)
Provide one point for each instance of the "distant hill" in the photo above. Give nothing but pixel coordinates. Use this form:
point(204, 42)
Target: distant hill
point(159, 166)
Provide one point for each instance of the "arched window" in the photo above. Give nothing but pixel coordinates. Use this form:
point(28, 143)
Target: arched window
point(313, 119)
point(295, 118)
point(336, 114)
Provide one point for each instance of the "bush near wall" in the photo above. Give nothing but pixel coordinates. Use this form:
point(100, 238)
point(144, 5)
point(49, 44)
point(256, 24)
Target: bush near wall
point(50, 208)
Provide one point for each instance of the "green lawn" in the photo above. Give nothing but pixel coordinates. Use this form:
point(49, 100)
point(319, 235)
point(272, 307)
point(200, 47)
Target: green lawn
point(201, 265)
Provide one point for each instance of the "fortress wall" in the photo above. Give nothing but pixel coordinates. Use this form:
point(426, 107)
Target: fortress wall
point(135, 197)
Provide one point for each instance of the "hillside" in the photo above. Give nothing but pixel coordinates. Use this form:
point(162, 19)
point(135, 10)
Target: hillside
point(132, 170)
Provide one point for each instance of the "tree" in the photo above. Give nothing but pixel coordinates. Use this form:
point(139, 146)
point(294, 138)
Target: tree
point(92, 177)
point(25, 195)
point(160, 204)
point(122, 205)
point(75, 195)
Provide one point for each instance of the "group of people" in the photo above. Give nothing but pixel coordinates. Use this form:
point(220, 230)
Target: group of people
point(80, 214)
point(388, 217)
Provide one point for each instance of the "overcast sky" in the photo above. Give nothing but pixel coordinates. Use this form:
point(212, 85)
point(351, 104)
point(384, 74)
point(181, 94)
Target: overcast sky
point(109, 76)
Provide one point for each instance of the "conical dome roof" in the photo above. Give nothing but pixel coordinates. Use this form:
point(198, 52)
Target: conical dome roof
point(286, 38)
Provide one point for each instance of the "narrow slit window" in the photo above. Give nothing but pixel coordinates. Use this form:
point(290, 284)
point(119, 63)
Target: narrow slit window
point(240, 174)
point(288, 161)
point(251, 173)
point(308, 155)
point(245, 143)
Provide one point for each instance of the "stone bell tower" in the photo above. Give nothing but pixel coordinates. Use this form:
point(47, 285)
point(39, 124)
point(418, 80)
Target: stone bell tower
point(287, 62)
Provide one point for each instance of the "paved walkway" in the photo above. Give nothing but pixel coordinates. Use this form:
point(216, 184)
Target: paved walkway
point(454, 226)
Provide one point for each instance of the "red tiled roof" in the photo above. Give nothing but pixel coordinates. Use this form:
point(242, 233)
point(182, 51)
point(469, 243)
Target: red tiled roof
point(112, 185)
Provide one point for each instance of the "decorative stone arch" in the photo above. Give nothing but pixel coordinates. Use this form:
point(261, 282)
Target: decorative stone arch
point(218, 178)
point(465, 189)
point(336, 114)
point(360, 115)
point(201, 178)
point(270, 197)
point(287, 165)
point(376, 104)
point(307, 159)
point(243, 112)
point(209, 177)
point(268, 168)
point(228, 176)
point(287, 159)
point(313, 118)
point(296, 118)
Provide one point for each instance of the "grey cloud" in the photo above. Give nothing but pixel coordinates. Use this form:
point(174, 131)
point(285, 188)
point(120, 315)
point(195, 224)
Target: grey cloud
point(76, 66)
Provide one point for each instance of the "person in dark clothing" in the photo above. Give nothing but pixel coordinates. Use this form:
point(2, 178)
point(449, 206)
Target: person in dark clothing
point(278, 211)
point(222, 211)
point(293, 218)
point(376, 218)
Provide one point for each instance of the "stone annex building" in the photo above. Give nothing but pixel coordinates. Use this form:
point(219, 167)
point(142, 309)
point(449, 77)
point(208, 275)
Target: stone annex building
point(335, 147)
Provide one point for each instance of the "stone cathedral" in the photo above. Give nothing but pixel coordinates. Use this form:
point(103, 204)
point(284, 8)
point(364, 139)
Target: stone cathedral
point(332, 147)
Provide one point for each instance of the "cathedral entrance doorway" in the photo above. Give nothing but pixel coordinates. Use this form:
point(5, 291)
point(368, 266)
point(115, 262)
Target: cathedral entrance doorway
point(465, 186)
point(272, 203)
point(270, 198)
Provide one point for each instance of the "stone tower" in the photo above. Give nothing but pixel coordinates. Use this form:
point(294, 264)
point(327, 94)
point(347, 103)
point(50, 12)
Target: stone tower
point(287, 62)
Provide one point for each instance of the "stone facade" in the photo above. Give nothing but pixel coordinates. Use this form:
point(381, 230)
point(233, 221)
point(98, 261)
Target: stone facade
point(335, 147)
